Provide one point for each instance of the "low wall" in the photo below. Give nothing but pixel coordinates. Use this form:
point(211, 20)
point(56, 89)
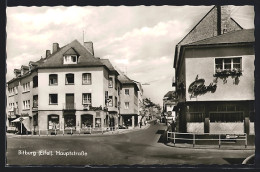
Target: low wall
point(195, 127)
point(229, 127)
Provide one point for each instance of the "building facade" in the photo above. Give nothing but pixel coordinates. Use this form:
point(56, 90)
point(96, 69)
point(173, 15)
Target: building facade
point(129, 101)
point(215, 80)
point(169, 106)
point(69, 89)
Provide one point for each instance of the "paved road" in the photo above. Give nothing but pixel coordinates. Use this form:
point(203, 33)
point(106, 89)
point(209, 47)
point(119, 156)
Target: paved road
point(138, 147)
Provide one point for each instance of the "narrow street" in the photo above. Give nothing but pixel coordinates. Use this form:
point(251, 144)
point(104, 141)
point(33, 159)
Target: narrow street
point(139, 147)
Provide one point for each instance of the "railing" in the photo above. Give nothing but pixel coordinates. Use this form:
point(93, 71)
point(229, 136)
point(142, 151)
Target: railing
point(69, 106)
point(173, 136)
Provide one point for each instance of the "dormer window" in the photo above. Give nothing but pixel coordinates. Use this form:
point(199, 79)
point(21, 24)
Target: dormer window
point(70, 56)
point(70, 59)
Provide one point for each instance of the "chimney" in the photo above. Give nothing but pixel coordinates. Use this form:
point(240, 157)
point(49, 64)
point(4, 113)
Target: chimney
point(17, 72)
point(55, 47)
point(223, 19)
point(48, 53)
point(89, 47)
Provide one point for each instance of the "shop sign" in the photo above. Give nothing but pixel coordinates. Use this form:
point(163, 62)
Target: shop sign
point(198, 87)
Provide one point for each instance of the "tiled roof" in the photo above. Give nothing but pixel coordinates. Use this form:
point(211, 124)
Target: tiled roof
point(85, 59)
point(239, 36)
point(170, 93)
point(124, 79)
point(107, 63)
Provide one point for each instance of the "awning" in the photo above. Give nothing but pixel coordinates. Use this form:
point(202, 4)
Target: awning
point(18, 119)
point(25, 121)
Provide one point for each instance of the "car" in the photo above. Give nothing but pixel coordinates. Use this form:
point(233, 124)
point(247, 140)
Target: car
point(122, 127)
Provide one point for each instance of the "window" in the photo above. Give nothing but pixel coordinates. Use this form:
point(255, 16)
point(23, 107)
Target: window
point(110, 82)
point(228, 64)
point(53, 99)
point(116, 102)
point(35, 81)
point(126, 105)
point(35, 101)
point(86, 78)
point(227, 117)
point(26, 104)
point(53, 122)
point(70, 59)
point(196, 117)
point(53, 79)
point(26, 87)
point(106, 98)
point(69, 79)
point(126, 91)
point(110, 101)
point(86, 98)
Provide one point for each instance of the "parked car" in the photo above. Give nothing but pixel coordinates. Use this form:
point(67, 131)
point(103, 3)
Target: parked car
point(122, 127)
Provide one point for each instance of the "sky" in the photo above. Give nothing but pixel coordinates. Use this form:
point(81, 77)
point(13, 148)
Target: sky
point(139, 40)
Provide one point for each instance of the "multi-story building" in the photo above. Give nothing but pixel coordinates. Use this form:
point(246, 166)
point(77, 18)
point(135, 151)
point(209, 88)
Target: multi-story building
point(68, 89)
point(129, 101)
point(169, 103)
point(215, 78)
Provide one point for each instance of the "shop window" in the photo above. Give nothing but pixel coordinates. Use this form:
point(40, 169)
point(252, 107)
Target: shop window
point(53, 99)
point(98, 122)
point(126, 105)
point(196, 117)
point(86, 98)
point(53, 122)
point(69, 122)
point(110, 82)
point(53, 79)
point(86, 78)
point(86, 121)
point(69, 79)
point(126, 91)
point(35, 81)
point(227, 117)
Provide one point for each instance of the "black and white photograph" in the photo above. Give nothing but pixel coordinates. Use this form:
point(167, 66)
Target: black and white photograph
point(130, 85)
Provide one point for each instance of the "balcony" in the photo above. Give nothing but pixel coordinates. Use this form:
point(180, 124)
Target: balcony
point(69, 106)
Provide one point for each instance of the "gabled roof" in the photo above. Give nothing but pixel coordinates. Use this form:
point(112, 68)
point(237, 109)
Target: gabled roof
point(86, 59)
point(107, 63)
point(71, 51)
point(239, 36)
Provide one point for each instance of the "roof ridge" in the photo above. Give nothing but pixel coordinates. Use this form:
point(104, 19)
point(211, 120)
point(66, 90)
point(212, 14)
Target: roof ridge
point(210, 38)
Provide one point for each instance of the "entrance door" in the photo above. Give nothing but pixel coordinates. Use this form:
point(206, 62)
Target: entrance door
point(70, 101)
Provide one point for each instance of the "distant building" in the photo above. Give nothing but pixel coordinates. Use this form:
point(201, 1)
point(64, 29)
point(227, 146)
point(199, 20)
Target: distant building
point(215, 76)
point(169, 103)
point(129, 101)
point(69, 89)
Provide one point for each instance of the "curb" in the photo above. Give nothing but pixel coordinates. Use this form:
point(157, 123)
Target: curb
point(248, 158)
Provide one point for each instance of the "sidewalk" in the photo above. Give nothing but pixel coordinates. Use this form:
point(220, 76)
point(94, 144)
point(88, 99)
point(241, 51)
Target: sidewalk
point(123, 131)
point(119, 131)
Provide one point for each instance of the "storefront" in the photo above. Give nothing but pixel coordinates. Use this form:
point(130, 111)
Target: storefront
point(53, 122)
point(86, 121)
point(70, 121)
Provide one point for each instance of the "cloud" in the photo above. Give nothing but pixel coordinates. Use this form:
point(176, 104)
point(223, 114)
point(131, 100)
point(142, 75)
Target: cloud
point(140, 39)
